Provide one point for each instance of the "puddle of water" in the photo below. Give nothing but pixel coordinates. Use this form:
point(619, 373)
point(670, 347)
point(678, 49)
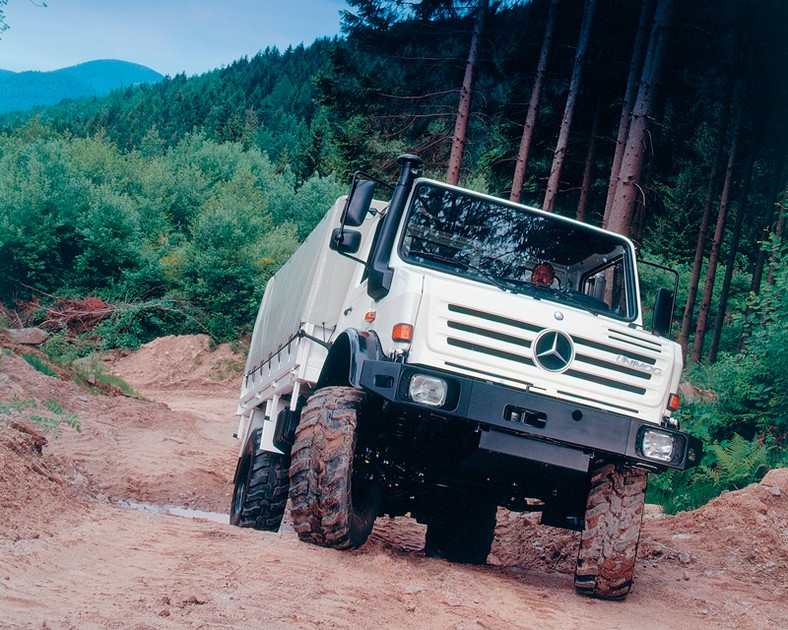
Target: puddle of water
point(175, 510)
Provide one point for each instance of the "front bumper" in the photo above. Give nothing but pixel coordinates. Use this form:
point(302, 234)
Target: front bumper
point(531, 426)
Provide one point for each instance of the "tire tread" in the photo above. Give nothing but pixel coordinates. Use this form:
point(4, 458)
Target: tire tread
point(609, 541)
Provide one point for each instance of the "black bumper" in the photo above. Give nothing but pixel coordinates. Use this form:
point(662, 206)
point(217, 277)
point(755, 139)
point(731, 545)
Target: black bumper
point(531, 426)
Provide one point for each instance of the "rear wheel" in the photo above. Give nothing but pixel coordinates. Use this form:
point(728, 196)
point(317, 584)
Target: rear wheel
point(609, 542)
point(260, 489)
point(461, 529)
point(330, 505)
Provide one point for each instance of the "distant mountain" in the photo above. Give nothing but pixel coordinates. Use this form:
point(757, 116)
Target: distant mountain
point(23, 90)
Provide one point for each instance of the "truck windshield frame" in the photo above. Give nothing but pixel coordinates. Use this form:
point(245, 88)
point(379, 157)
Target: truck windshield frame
point(496, 242)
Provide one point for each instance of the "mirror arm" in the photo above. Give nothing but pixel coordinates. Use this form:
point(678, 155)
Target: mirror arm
point(353, 258)
point(366, 175)
point(663, 268)
point(360, 175)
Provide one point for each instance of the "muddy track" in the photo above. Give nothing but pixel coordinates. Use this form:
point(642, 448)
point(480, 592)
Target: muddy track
point(72, 557)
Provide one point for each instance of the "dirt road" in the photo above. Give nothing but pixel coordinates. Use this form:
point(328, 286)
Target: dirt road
point(74, 555)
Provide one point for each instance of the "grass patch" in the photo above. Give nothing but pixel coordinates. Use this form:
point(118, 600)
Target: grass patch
point(91, 375)
point(40, 363)
point(226, 368)
point(62, 359)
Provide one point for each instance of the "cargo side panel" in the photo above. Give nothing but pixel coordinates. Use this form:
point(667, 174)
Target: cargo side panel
point(306, 294)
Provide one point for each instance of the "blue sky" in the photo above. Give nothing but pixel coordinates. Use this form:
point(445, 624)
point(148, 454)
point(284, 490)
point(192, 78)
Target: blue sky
point(170, 36)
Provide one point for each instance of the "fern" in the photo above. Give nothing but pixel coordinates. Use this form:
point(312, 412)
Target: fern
point(740, 462)
point(52, 421)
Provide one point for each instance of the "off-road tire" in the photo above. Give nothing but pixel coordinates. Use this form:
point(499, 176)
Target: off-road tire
point(260, 487)
point(329, 507)
point(461, 529)
point(609, 542)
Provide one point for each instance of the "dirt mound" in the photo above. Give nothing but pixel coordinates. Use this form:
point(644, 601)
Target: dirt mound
point(180, 361)
point(742, 535)
point(520, 541)
point(31, 488)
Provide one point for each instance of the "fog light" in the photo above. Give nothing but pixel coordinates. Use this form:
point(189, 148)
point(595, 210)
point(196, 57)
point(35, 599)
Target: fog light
point(658, 446)
point(428, 390)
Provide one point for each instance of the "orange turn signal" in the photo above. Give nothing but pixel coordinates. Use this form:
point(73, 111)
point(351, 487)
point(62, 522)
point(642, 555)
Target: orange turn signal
point(673, 402)
point(402, 332)
point(369, 316)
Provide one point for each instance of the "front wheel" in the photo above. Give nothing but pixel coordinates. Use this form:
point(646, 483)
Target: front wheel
point(260, 489)
point(609, 541)
point(330, 506)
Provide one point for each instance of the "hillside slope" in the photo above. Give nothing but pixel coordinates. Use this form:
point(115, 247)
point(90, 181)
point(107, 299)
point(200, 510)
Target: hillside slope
point(20, 91)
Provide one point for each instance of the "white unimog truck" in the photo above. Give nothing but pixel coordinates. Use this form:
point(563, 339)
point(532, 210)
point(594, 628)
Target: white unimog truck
point(404, 361)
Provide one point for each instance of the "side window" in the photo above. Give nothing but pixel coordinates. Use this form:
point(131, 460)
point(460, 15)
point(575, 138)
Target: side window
point(607, 284)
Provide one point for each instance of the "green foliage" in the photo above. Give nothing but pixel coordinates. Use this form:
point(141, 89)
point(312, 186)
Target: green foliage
point(678, 491)
point(15, 405)
point(76, 359)
point(191, 234)
point(752, 385)
point(56, 417)
point(91, 375)
point(136, 323)
point(40, 364)
point(51, 418)
point(62, 350)
point(741, 411)
point(740, 462)
point(314, 199)
point(731, 465)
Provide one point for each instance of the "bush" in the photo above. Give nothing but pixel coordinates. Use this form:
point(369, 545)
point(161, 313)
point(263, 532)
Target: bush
point(132, 325)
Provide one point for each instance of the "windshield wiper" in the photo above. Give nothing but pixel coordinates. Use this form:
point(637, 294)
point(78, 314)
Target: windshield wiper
point(513, 286)
point(572, 297)
point(464, 265)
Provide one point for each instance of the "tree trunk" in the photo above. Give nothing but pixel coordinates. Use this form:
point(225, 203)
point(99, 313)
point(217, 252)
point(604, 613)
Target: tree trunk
point(533, 106)
point(634, 153)
point(771, 225)
point(635, 70)
point(571, 103)
point(585, 188)
point(779, 231)
point(741, 208)
point(767, 223)
point(719, 233)
point(711, 194)
point(464, 110)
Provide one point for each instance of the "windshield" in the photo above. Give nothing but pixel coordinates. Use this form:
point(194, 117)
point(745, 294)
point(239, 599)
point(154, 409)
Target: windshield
point(519, 250)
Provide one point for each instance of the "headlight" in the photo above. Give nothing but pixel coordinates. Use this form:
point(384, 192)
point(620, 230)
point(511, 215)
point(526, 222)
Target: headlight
point(657, 445)
point(428, 390)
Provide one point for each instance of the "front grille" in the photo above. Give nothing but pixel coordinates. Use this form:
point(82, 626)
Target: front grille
point(608, 370)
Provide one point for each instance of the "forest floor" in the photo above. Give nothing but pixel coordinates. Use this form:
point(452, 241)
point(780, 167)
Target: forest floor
point(88, 539)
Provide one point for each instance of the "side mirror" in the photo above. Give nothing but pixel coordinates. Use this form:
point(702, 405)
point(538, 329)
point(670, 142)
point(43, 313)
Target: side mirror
point(663, 312)
point(358, 202)
point(345, 241)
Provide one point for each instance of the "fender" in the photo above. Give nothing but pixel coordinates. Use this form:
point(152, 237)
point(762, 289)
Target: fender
point(347, 356)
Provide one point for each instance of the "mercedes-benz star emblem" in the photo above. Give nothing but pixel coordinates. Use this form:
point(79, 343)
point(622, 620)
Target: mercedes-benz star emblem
point(553, 350)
